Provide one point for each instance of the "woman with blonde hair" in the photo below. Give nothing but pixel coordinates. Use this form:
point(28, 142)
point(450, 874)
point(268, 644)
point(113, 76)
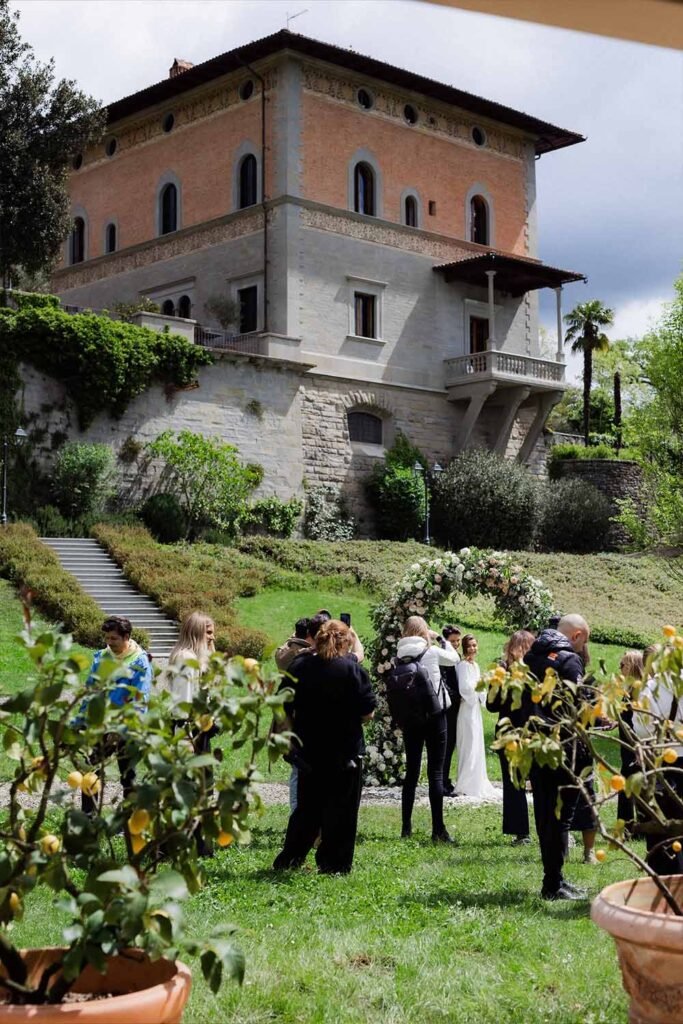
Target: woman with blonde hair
point(416, 645)
point(195, 643)
point(187, 662)
point(632, 667)
point(332, 699)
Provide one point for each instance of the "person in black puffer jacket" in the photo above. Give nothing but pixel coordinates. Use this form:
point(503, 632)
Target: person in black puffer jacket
point(559, 649)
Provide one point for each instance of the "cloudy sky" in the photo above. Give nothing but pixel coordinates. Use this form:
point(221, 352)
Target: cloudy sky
point(611, 208)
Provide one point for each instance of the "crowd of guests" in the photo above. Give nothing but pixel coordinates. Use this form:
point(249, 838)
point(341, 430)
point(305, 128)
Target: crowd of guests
point(333, 698)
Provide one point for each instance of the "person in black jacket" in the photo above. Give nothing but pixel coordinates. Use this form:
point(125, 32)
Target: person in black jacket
point(515, 808)
point(559, 649)
point(451, 635)
point(333, 697)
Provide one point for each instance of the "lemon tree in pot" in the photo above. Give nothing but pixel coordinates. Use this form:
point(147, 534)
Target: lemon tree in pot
point(631, 728)
point(121, 871)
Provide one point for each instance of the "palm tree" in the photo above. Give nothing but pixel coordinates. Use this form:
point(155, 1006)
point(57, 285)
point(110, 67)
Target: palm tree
point(584, 325)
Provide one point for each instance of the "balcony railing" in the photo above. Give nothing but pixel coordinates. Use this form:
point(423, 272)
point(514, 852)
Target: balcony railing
point(503, 365)
point(253, 344)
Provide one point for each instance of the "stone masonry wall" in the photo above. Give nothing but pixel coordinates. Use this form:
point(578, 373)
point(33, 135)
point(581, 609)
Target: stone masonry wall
point(329, 457)
point(615, 478)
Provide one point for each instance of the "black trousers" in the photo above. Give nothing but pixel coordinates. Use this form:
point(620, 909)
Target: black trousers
point(663, 860)
point(553, 832)
point(113, 743)
point(515, 807)
point(433, 736)
point(327, 805)
point(451, 729)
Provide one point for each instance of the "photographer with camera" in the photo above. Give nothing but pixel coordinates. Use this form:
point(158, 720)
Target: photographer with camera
point(333, 697)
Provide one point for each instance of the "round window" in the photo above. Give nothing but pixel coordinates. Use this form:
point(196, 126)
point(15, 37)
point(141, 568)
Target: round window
point(77, 162)
point(168, 122)
point(365, 99)
point(110, 146)
point(246, 89)
point(410, 113)
point(478, 136)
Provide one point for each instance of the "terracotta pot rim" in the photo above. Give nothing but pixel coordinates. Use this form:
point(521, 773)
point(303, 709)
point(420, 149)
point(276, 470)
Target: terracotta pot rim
point(181, 978)
point(648, 927)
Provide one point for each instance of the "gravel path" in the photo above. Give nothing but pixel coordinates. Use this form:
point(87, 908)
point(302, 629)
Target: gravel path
point(278, 793)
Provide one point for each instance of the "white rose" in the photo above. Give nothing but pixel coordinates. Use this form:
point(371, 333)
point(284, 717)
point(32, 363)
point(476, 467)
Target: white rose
point(438, 578)
point(384, 652)
point(415, 567)
point(380, 669)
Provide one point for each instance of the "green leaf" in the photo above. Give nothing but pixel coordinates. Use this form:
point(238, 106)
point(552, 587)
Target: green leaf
point(170, 885)
point(125, 876)
point(96, 709)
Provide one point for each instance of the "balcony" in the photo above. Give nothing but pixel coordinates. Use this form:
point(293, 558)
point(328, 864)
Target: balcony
point(503, 369)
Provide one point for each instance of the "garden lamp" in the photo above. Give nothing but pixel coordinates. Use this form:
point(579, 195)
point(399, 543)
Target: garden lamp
point(20, 436)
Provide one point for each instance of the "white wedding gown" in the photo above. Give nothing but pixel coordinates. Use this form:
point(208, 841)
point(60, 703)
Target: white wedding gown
point(472, 778)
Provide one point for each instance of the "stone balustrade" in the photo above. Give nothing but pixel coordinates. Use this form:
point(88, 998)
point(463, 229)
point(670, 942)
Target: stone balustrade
point(496, 365)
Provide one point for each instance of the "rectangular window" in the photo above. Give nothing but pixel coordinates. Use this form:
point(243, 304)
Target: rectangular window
point(365, 315)
point(479, 334)
point(248, 301)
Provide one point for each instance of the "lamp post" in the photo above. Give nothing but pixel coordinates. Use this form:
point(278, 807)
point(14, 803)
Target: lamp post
point(20, 436)
point(423, 471)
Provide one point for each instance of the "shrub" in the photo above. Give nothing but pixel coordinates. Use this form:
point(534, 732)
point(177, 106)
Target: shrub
point(395, 493)
point(483, 500)
point(50, 522)
point(211, 484)
point(164, 518)
point(562, 452)
point(326, 516)
point(184, 579)
point(103, 363)
point(34, 300)
point(83, 478)
point(271, 517)
point(29, 563)
point(575, 516)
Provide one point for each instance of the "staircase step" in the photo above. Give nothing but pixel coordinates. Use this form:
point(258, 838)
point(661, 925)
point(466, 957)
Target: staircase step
point(105, 582)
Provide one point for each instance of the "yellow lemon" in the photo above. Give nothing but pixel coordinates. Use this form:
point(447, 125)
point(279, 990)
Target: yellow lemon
point(250, 664)
point(50, 844)
point(536, 698)
point(74, 779)
point(669, 631)
point(14, 903)
point(670, 755)
point(676, 846)
point(617, 782)
point(138, 821)
point(137, 843)
point(205, 722)
point(224, 838)
point(90, 784)
point(600, 855)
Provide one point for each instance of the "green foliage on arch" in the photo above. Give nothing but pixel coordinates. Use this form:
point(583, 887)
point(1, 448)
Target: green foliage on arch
point(521, 600)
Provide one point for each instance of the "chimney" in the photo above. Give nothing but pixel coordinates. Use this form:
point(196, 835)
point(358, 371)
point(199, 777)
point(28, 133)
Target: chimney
point(178, 66)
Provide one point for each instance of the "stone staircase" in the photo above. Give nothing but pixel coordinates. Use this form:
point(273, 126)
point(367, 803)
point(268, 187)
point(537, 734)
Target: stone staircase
point(100, 576)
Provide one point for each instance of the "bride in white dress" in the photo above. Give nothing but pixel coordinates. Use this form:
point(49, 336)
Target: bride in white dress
point(472, 778)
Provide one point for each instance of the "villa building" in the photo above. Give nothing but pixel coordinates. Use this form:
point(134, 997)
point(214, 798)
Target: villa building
point(375, 232)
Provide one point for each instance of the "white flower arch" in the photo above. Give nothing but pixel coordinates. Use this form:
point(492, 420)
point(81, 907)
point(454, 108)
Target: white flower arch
point(521, 600)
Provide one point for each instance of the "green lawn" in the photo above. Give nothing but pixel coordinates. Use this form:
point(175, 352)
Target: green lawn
point(415, 933)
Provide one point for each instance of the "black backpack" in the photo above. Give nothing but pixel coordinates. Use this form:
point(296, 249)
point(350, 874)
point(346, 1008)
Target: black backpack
point(410, 694)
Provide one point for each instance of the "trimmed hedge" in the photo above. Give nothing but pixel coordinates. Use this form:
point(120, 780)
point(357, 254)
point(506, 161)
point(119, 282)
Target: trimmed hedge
point(184, 578)
point(26, 561)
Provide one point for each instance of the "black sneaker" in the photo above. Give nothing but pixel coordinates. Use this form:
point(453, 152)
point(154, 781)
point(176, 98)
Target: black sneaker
point(561, 894)
point(443, 837)
point(448, 788)
point(577, 890)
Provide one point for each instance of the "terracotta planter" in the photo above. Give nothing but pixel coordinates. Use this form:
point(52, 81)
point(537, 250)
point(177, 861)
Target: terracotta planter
point(649, 940)
point(152, 992)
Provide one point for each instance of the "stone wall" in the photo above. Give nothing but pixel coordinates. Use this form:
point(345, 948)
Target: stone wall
point(616, 479)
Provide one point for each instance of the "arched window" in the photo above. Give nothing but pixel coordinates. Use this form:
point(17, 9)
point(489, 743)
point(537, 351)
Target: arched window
point(479, 220)
point(364, 189)
point(248, 182)
point(168, 212)
point(110, 238)
point(184, 306)
point(410, 211)
point(167, 307)
point(363, 426)
point(77, 246)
